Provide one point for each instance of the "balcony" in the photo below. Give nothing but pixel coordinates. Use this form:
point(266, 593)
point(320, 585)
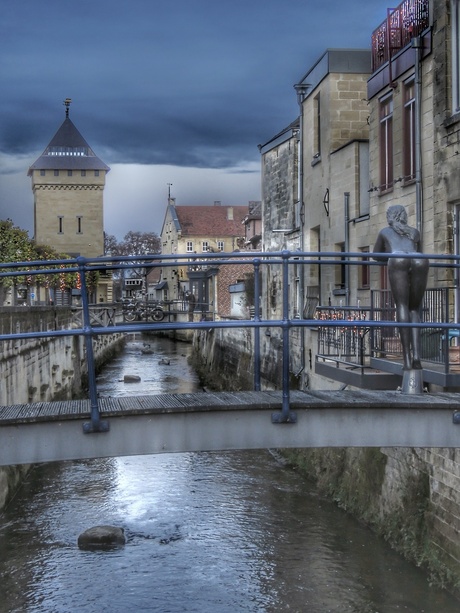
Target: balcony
point(402, 24)
point(371, 357)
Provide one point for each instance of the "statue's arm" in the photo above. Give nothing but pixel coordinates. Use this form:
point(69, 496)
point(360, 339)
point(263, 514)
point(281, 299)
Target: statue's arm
point(380, 247)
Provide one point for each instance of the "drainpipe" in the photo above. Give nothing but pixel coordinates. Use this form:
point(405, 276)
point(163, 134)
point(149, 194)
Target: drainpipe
point(418, 46)
point(301, 89)
point(346, 204)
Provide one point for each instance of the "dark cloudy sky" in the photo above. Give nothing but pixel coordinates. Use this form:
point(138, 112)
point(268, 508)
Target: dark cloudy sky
point(165, 91)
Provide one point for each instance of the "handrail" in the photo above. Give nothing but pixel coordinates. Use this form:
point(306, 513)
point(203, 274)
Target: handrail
point(260, 261)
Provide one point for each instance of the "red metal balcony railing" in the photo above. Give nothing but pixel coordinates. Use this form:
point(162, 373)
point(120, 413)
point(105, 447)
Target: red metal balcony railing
point(402, 24)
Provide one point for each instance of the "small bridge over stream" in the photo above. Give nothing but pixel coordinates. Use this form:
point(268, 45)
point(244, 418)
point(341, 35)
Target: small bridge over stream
point(52, 431)
point(207, 421)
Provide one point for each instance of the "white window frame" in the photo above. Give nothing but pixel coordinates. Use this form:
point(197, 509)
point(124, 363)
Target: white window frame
point(205, 246)
point(189, 247)
point(220, 245)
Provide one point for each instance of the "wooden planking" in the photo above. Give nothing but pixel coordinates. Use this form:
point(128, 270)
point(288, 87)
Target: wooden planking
point(222, 401)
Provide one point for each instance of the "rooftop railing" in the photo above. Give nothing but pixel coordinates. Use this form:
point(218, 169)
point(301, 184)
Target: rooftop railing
point(402, 24)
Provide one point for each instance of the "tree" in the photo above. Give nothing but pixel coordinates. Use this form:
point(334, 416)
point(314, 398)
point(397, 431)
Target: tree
point(133, 243)
point(16, 246)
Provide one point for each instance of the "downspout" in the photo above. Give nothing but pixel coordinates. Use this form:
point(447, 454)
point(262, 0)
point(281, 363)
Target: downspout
point(418, 46)
point(346, 204)
point(301, 89)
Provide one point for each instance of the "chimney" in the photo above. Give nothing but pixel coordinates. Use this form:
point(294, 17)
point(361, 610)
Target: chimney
point(217, 202)
point(230, 213)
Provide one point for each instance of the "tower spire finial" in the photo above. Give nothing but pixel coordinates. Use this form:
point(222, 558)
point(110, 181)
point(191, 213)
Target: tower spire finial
point(66, 103)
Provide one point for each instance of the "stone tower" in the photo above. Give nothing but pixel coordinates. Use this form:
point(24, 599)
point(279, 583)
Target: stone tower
point(68, 183)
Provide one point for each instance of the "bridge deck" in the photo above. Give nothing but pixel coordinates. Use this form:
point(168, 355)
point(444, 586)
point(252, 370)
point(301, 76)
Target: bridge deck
point(224, 401)
point(52, 431)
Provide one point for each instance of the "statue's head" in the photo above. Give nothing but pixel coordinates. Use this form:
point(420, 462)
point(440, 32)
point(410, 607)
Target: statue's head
point(396, 213)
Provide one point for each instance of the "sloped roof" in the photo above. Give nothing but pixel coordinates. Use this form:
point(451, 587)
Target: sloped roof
point(211, 220)
point(68, 150)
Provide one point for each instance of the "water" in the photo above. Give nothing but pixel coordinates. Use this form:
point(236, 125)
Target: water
point(207, 532)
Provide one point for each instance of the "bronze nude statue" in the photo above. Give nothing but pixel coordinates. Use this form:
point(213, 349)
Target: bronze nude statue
point(408, 278)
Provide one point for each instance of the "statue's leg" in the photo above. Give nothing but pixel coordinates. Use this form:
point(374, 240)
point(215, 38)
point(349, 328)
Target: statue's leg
point(415, 338)
point(418, 281)
point(398, 273)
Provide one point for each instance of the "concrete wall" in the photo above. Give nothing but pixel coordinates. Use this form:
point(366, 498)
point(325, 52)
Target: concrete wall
point(34, 370)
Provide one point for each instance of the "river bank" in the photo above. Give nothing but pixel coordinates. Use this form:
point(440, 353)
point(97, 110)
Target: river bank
point(35, 370)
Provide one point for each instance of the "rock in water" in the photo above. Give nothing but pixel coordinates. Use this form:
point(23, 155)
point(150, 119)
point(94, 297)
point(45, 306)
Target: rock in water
point(131, 378)
point(102, 537)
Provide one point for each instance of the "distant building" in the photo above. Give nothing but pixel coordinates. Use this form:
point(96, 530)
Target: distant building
point(68, 182)
point(253, 225)
point(200, 229)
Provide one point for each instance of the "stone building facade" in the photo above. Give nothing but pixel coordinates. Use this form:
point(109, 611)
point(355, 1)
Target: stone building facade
point(68, 182)
point(190, 230)
point(401, 145)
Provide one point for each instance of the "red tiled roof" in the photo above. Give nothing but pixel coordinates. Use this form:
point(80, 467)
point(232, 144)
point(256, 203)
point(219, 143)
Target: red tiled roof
point(211, 220)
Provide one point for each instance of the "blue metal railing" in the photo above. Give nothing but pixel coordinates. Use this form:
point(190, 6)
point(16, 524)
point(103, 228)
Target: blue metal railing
point(260, 261)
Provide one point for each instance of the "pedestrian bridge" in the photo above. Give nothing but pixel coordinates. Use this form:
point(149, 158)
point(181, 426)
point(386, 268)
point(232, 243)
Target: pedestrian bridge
point(56, 431)
point(104, 427)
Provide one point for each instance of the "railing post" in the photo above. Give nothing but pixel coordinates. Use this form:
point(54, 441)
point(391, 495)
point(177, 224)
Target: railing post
point(96, 424)
point(257, 329)
point(286, 416)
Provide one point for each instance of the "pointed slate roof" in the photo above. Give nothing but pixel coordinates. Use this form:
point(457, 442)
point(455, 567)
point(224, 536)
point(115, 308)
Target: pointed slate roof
point(68, 150)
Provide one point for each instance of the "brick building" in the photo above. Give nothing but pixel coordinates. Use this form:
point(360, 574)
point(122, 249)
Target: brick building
point(190, 230)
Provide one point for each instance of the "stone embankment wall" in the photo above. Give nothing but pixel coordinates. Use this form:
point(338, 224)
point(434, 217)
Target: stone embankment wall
point(409, 496)
point(41, 370)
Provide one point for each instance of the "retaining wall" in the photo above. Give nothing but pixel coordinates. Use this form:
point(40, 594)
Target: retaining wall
point(409, 496)
point(41, 370)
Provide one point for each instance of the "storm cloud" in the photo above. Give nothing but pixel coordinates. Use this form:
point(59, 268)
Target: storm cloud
point(187, 84)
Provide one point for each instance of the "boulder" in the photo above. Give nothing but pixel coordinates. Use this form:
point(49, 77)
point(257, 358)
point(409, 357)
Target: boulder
point(131, 378)
point(102, 537)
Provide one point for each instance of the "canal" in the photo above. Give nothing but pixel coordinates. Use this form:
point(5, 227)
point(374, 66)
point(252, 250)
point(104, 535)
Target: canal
point(206, 532)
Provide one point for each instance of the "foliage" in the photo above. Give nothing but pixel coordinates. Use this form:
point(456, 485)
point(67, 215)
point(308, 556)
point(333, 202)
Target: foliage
point(16, 246)
point(133, 243)
point(62, 280)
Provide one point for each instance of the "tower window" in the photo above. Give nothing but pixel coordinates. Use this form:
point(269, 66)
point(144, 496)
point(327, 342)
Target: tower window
point(69, 173)
point(60, 224)
point(83, 173)
point(96, 173)
point(79, 220)
point(42, 173)
point(56, 173)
